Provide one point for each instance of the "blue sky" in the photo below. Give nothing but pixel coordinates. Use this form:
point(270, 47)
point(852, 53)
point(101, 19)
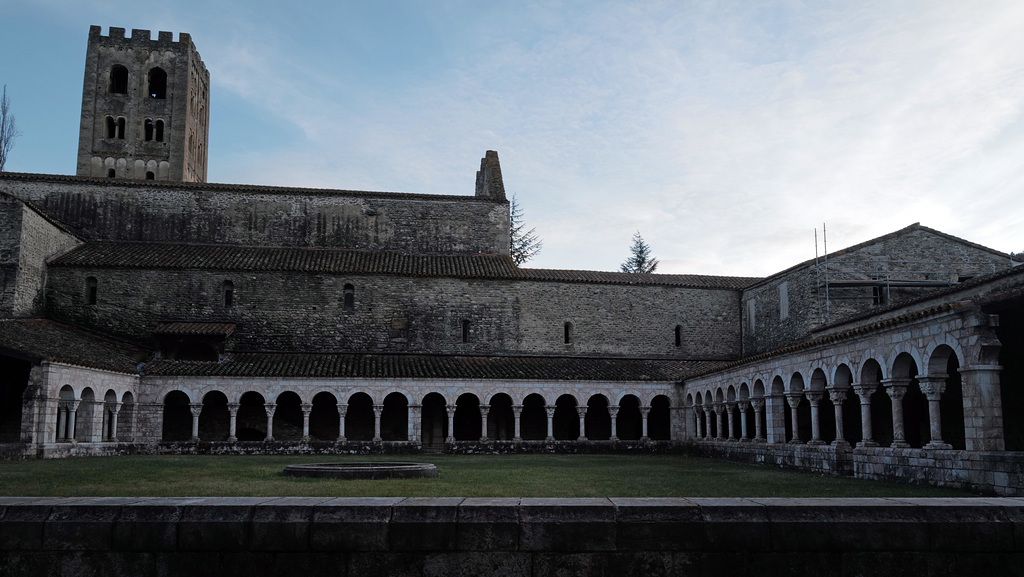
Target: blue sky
point(723, 131)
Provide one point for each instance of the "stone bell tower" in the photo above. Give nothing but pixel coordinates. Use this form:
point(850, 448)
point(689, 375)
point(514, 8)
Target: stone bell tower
point(145, 108)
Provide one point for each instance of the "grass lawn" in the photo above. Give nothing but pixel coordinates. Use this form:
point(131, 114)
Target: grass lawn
point(458, 476)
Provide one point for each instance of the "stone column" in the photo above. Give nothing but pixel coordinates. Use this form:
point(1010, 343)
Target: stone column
point(377, 411)
point(837, 396)
point(705, 432)
point(270, 407)
point(517, 411)
point(814, 398)
point(342, 411)
point(233, 421)
point(72, 415)
point(896, 388)
point(775, 410)
point(730, 409)
point(197, 409)
point(933, 387)
point(451, 424)
point(306, 409)
point(62, 417)
point(720, 420)
point(551, 422)
point(758, 404)
point(613, 412)
point(114, 409)
point(582, 412)
point(743, 406)
point(484, 409)
point(415, 422)
point(863, 392)
point(794, 403)
point(983, 410)
point(643, 420)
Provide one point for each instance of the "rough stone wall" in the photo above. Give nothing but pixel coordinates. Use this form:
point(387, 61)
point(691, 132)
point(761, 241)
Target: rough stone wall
point(148, 537)
point(305, 312)
point(26, 241)
point(267, 216)
point(769, 329)
point(181, 155)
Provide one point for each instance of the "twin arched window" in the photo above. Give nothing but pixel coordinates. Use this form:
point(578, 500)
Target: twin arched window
point(115, 128)
point(157, 81)
point(153, 130)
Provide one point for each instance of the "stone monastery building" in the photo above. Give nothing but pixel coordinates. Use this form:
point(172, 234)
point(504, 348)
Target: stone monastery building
point(143, 309)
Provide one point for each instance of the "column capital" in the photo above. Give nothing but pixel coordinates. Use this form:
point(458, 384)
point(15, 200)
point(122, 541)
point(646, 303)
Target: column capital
point(550, 410)
point(864, 390)
point(644, 411)
point(378, 409)
point(270, 407)
point(581, 411)
point(306, 407)
point(342, 409)
point(814, 397)
point(837, 396)
point(613, 411)
point(517, 410)
point(114, 407)
point(195, 408)
point(450, 410)
point(743, 405)
point(896, 388)
point(233, 408)
point(793, 396)
point(484, 409)
point(757, 403)
point(932, 386)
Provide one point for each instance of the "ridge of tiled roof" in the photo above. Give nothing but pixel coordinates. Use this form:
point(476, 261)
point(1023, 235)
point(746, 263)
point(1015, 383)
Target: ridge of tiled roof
point(104, 254)
point(243, 188)
point(208, 329)
point(393, 366)
point(45, 339)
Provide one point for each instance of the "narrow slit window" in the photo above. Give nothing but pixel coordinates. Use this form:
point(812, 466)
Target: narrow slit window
point(229, 294)
point(90, 290)
point(679, 336)
point(147, 129)
point(465, 331)
point(120, 128)
point(567, 330)
point(159, 131)
point(350, 298)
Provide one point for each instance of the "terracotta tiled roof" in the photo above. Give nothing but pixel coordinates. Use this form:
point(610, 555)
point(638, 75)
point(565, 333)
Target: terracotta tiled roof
point(289, 259)
point(44, 339)
point(344, 365)
point(211, 329)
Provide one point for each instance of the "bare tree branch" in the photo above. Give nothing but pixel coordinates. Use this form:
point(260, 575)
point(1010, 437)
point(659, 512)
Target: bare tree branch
point(8, 129)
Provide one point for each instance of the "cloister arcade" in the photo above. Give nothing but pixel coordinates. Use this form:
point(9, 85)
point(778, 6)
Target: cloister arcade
point(911, 395)
point(83, 417)
point(396, 416)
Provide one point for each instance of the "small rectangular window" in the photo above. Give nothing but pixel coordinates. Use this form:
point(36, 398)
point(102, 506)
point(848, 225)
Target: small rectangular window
point(880, 295)
point(90, 290)
point(751, 319)
point(465, 331)
point(568, 333)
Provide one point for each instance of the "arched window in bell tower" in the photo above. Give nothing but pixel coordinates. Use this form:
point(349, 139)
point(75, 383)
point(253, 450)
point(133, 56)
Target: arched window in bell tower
point(157, 83)
point(119, 79)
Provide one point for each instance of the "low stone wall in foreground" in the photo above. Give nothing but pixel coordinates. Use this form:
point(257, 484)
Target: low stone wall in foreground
point(509, 536)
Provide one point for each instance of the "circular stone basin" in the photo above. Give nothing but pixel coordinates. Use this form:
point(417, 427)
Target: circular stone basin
point(362, 470)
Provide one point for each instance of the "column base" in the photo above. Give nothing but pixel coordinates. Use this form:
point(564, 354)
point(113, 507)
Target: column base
point(342, 439)
point(794, 442)
point(868, 444)
point(304, 439)
point(900, 445)
point(581, 438)
point(517, 439)
point(268, 440)
point(842, 443)
point(733, 440)
point(449, 439)
point(815, 442)
point(549, 438)
point(644, 439)
point(613, 438)
point(746, 440)
point(193, 440)
point(232, 439)
point(484, 440)
point(938, 446)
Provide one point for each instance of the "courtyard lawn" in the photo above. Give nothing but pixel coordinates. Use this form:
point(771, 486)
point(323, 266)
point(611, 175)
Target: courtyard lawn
point(458, 475)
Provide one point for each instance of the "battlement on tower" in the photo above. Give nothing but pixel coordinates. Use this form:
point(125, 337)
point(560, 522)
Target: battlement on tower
point(141, 38)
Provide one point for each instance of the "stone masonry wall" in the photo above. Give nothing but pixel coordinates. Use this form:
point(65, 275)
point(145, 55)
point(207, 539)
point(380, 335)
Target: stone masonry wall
point(806, 310)
point(26, 241)
point(305, 312)
point(266, 216)
point(391, 536)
